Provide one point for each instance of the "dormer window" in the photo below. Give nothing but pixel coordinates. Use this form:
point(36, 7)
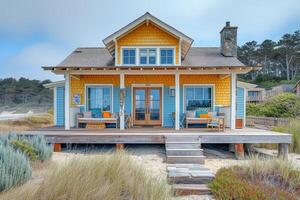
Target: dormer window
point(129, 56)
point(147, 56)
point(166, 56)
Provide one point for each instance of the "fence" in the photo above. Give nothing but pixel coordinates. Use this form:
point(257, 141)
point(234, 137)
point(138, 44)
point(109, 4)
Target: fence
point(267, 121)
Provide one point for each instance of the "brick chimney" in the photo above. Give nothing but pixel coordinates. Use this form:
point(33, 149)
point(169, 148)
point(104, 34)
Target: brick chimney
point(229, 40)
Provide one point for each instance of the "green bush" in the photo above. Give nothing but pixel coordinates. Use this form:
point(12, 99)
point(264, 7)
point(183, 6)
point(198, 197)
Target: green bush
point(260, 178)
point(26, 148)
point(44, 150)
point(253, 109)
point(35, 144)
point(14, 167)
point(229, 184)
point(285, 105)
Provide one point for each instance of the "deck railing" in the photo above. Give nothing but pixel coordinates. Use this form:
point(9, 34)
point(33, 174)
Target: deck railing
point(267, 121)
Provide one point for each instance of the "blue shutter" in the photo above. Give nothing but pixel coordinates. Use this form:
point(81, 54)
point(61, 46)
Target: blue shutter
point(60, 106)
point(240, 103)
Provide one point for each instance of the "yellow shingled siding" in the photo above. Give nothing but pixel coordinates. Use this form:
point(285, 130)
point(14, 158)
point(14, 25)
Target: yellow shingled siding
point(148, 35)
point(167, 80)
point(78, 86)
point(222, 86)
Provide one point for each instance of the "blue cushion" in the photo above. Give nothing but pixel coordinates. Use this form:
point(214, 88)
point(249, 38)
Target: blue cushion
point(96, 113)
point(200, 111)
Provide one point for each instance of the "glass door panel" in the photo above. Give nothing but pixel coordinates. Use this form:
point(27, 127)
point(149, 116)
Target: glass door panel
point(147, 106)
point(154, 104)
point(140, 105)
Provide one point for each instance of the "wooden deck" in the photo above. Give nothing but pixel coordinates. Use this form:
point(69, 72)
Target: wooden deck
point(157, 136)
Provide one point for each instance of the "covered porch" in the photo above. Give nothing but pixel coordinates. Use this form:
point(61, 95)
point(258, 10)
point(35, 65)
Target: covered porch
point(168, 95)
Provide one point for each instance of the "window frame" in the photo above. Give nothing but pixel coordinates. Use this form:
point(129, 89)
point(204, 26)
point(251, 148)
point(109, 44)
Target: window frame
point(173, 60)
point(122, 55)
point(158, 58)
point(147, 57)
point(110, 86)
point(212, 86)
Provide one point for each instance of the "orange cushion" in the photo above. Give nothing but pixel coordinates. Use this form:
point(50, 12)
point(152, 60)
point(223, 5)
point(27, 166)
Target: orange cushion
point(204, 115)
point(106, 114)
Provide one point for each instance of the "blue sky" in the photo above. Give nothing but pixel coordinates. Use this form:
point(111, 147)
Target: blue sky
point(34, 33)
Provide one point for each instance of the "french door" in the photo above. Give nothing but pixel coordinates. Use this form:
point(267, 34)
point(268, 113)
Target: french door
point(147, 106)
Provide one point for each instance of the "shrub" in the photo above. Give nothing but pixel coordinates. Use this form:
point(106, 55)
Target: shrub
point(253, 109)
point(26, 148)
point(261, 179)
point(44, 150)
point(14, 167)
point(285, 105)
point(282, 105)
point(111, 176)
point(274, 172)
point(30, 145)
point(294, 129)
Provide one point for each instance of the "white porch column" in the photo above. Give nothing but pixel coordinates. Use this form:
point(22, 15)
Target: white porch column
point(55, 105)
point(122, 101)
point(67, 102)
point(233, 101)
point(177, 102)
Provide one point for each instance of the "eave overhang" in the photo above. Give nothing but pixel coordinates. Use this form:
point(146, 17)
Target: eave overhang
point(152, 69)
point(185, 41)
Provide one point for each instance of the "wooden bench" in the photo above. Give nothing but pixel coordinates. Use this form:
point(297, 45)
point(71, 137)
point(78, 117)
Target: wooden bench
point(97, 121)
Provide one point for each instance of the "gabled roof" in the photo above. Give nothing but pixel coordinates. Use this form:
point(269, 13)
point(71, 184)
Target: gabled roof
point(196, 57)
point(109, 41)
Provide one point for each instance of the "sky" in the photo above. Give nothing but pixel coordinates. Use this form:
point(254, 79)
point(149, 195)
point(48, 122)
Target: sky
point(35, 33)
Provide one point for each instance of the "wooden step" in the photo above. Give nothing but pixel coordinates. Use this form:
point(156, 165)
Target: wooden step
point(190, 177)
point(186, 159)
point(186, 145)
point(191, 189)
point(180, 167)
point(184, 152)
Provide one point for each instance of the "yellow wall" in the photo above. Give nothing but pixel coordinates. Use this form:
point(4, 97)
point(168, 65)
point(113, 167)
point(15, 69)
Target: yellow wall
point(78, 86)
point(168, 80)
point(148, 35)
point(222, 86)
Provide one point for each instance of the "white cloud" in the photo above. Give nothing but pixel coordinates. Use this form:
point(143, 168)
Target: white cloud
point(28, 62)
point(72, 23)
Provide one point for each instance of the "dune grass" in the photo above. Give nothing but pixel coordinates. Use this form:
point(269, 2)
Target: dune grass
point(114, 176)
point(261, 178)
point(27, 123)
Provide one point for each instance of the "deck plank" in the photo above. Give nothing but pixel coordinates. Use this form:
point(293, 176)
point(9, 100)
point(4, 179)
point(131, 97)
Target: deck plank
point(158, 135)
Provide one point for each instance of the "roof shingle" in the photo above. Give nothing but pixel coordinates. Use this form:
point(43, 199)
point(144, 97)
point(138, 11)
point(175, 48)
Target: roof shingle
point(196, 56)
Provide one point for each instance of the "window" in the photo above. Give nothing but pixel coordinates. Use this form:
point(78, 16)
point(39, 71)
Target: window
point(99, 97)
point(198, 97)
point(147, 56)
point(166, 56)
point(252, 93)
point(129, 56)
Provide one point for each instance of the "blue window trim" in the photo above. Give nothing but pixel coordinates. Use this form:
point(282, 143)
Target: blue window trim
point(129, 56)
point(148, 56)
point(166, 57)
